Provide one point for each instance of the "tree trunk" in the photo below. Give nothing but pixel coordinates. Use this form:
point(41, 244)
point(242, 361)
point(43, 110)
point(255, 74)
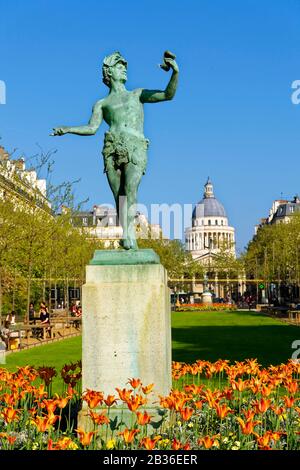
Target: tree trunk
point(49, 296)
point(14, 290)
point(28, 291)
point(0, 297)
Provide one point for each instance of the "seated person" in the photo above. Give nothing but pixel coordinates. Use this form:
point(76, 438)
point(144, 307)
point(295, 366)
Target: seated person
point(44, 320)
point(44, 316)
point(5, 334)
point(78, 314)
point(31, 314)
point(11, 318)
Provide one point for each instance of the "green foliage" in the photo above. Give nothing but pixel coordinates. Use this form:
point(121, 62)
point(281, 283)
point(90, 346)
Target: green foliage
point(172, 255)
point(39, 248)
point(274, 253)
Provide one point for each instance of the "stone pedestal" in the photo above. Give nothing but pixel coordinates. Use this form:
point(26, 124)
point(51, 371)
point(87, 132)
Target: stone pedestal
point(206, 298)
point(126, 323)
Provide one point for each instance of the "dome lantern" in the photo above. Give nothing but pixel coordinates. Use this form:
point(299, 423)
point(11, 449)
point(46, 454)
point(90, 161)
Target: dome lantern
point(208, 189)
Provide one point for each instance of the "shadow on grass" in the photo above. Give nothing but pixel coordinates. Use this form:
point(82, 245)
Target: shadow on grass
point(270, 344)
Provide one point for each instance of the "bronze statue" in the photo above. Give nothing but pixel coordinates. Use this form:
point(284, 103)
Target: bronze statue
point(125, 146)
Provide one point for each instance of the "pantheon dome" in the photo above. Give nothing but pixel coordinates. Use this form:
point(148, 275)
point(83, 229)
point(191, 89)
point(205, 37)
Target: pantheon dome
point(210, 230)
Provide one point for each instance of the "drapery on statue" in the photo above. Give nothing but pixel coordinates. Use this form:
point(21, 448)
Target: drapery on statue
point(125, 146)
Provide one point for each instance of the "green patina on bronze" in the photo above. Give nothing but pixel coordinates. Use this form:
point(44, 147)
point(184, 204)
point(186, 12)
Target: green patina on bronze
point(119, 257)
point(125, 146)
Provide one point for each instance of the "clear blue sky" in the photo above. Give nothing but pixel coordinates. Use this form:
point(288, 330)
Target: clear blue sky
point(232, 118)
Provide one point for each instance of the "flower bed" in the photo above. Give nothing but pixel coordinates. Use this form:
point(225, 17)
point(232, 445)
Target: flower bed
point(205, 308)
point(251, 408)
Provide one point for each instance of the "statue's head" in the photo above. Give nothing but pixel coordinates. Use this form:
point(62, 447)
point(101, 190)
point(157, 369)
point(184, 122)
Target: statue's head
point(114, 68)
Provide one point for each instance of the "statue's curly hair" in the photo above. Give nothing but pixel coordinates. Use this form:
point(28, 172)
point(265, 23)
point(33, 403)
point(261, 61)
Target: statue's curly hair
point(108, 62)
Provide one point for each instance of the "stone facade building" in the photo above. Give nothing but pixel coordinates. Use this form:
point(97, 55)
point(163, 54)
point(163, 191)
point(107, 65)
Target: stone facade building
point(101, 223)
point(281, 212)
point(21, 186)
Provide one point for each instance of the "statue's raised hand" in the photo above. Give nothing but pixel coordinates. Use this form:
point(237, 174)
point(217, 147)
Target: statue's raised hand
point(169, 62)
point(173, 64)
point(60, 130)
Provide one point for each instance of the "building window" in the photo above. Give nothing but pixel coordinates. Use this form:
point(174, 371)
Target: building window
point(216, 222)
point(292, 209)
point(221, 222)
point(84, 221)
point(209, 222)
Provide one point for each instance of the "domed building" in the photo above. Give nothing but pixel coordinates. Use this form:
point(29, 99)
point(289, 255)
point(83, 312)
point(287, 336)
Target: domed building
point(209, 234)
point(210, 230)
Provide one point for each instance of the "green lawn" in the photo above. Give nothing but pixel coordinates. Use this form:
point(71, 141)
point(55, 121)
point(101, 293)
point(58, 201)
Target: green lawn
point(231, 335)
point(196, 335)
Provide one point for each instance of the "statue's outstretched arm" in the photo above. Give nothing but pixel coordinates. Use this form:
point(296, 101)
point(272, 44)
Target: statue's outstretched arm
point(90, 129)
point(155, 96)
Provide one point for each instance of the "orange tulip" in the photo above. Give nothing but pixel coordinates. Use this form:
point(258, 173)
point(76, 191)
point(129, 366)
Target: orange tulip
point(292, 387)
point(110, 400)
point(19, 382)
point(9, 399)
point(269, 436)
point(11, 439)
point(186, 413)
point(129, 435)
point(279, 410)
point(263, 441)
point(147, 389)
point(93, 398)
point(275, 436)
point(227, 393)
point(195, 369)
point(85, 437)
point(135, 383)
point(149, 444)
point(50, 405)
point(62, 401)
point(52, 418)
point(222, 410)
point(71, 391)
point(124, 394)
point(176, 445)
point(135, 402)
point(65, 443)
point(248, 426)
point(262, 405)
point(249, 414)
point(199, 404)
point(40, 392)
point(143, 418)
point(266, 390)
point(42, 423)
point(289, 401)
point(194, 389)
point(50, 445)
point(239, 385)
point(208, 442)
point(99, 418)
point(179, 403)
point(10, 415)
point(176, 365)
point(186, 446)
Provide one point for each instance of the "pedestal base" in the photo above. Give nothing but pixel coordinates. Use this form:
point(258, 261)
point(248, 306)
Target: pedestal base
point(126, 328)
point(206, 298)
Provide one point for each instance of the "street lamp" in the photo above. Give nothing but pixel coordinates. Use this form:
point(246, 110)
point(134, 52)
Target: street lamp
point(175, 296)
point(206, 294)
point(205, 278)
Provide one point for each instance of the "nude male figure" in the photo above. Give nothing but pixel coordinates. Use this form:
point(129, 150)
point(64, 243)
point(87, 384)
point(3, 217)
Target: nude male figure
point(125, 146)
